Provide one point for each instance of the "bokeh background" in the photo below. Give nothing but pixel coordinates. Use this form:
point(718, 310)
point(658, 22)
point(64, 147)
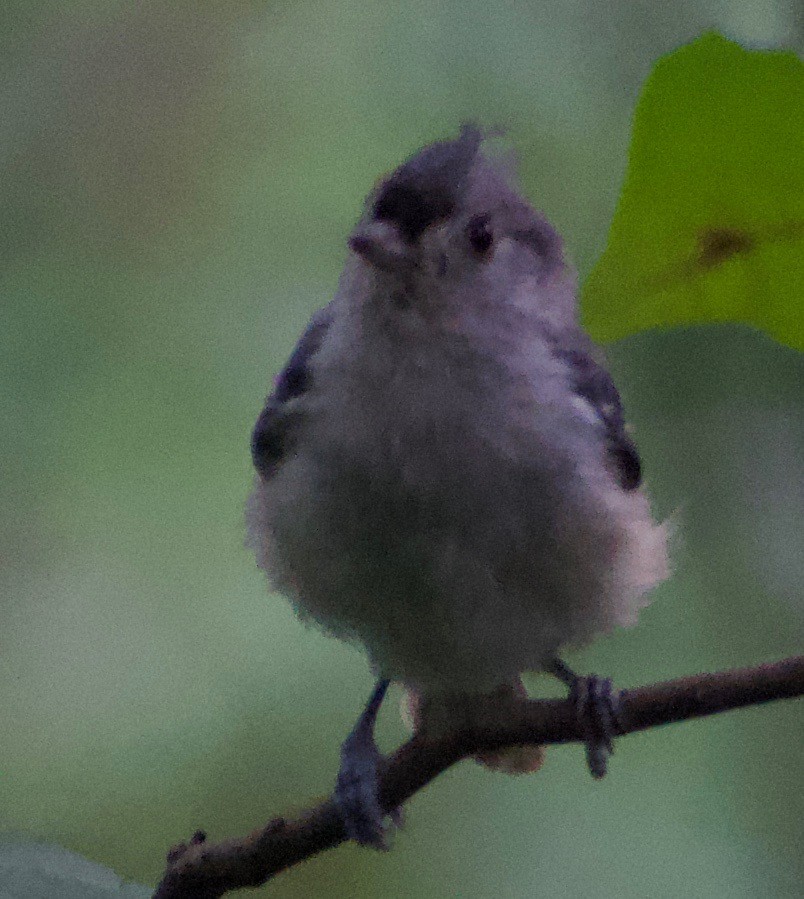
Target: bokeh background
point(177, 182)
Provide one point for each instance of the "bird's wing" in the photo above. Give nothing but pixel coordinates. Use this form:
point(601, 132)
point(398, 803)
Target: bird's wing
point(594, 386)
point(270, 437)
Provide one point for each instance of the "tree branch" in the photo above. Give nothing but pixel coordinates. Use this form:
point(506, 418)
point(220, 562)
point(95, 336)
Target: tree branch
point(206, 871)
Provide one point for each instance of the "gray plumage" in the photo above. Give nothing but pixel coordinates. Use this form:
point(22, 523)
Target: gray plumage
point(444, 473)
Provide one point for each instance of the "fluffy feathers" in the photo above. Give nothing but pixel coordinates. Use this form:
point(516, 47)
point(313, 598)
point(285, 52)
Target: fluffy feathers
point(428, 484)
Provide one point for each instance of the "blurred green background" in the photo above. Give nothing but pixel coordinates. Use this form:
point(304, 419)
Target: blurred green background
point(177, 184)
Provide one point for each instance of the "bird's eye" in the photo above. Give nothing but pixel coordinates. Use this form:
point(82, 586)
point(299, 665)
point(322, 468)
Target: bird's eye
point(480, 234)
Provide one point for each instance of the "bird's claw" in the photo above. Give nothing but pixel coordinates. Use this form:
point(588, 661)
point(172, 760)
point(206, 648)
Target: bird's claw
point(357, 793)
point(597, 707)
point(358, 782)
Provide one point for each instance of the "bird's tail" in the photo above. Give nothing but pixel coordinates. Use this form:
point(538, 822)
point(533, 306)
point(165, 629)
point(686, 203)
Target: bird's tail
point(523, 759)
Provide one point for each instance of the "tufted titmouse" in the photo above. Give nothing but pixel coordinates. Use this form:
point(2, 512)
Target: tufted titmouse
point(444, 473)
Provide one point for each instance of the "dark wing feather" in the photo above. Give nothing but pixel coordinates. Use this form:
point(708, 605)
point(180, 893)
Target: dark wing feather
point(593, 382)
point(270, 437)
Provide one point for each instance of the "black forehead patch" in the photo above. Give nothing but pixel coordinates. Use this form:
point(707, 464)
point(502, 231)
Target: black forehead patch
point(426, 188)
point(412, 208)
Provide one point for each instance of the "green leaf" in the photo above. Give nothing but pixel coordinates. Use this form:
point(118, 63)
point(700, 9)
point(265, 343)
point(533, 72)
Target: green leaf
point(710, 223)
point(41, 871)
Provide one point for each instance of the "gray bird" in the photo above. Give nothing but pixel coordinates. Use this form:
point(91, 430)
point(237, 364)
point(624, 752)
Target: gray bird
point(444, 473)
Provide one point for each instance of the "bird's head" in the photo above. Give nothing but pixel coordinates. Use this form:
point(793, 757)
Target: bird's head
point(449, 227)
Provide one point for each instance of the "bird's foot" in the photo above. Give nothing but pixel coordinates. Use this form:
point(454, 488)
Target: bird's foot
point(358, 781)
point(597, 708)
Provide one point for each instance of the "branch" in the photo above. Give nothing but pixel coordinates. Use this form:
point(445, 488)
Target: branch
point(203, 870)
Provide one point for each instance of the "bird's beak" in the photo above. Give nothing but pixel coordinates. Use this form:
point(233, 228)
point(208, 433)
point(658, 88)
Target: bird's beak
point(380, 244)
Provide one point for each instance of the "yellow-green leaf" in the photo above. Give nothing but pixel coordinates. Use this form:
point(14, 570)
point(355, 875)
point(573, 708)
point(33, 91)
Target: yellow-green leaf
point(710, 223)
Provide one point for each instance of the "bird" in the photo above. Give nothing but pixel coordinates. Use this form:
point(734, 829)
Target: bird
point(444, 474)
